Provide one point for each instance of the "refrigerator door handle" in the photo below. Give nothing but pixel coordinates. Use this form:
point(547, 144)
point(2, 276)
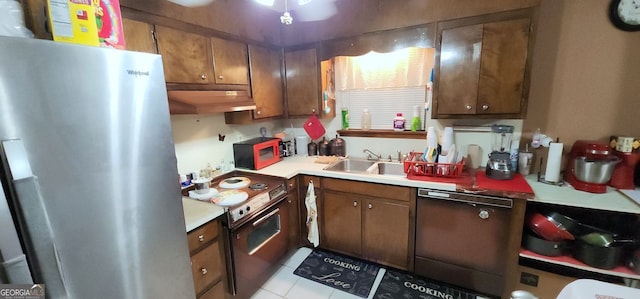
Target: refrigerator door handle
point(39, 242)
point(14, 262)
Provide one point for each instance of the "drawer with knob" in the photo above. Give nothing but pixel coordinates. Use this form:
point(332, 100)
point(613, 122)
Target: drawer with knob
point(206, 267)
point(202, 236)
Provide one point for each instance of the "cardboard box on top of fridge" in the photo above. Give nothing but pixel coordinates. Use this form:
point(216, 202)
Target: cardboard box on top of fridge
point(87, 22)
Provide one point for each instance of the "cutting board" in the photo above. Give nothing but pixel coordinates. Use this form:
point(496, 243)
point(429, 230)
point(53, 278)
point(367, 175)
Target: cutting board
point(515, 184)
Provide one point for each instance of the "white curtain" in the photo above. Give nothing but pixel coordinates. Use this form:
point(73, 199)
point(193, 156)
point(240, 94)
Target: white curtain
point(403, 68)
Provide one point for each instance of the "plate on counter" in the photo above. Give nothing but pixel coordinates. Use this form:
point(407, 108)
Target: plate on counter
point(235, 182)
point(203, 196)
point(230, 198)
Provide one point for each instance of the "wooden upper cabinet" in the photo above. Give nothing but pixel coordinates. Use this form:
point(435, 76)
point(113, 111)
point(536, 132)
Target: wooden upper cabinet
point(266, 81)
point(459, 70)
point(186, 56)
point(504, 58)
point(139, 36)
point(302, 80)
point(230, 62)
point(482, 66)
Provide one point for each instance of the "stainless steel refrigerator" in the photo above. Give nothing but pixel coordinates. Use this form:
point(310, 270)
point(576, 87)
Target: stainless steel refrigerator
point(91, 204)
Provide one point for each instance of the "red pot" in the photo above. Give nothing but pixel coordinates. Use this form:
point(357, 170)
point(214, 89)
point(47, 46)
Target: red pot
point(548, 228)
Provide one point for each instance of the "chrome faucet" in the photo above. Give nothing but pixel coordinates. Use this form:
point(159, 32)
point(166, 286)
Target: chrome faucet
point(371, 155)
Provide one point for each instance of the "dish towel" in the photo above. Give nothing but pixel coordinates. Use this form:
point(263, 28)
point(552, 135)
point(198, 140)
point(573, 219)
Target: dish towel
point(312, 216)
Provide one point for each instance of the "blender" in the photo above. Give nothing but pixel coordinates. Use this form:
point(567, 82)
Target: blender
point(499, 166)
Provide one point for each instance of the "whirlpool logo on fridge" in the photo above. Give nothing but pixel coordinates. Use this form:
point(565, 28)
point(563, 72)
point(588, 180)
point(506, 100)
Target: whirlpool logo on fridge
point(138, 73)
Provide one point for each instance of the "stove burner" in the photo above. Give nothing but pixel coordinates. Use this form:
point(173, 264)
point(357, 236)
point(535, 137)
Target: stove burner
point(258, 186)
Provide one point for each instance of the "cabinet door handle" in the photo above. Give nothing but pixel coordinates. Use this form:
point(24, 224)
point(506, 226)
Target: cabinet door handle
point(468, 107)
point(485, 107)
point(355, 203)
point(203, 76)
point(370, 206)
point(204, 271)
point(201, 238)
point(289, 200)
point(484, 214)
point(221, 77)
point(258, 112)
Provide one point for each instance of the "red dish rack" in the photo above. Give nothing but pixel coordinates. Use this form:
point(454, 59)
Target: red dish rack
point(416, 169)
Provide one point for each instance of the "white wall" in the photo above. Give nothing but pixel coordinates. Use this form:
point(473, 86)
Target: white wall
point(390, 146)
point(197, 141)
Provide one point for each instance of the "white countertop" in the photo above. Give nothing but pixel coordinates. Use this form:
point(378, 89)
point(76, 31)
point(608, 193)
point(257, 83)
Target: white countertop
point(612, 200)
point(197, 213)
point(292, 166)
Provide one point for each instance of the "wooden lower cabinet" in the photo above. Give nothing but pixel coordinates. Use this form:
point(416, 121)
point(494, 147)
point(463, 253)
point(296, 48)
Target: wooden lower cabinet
point(294, 213)
point(216, 292)
point(543, 284)
point(385, 232)
point(342, 215)
point(207, 261)
point(369, 221)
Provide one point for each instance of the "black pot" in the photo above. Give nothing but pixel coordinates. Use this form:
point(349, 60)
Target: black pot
point(634, 261)
point(574, 226)
point(323, 147)
point(534, 243)
point(337, 147)
point(312, 149)
point(603, 257)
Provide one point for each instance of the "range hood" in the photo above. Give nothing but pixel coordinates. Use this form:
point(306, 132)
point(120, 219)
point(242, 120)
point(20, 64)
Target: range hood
point(208, 101)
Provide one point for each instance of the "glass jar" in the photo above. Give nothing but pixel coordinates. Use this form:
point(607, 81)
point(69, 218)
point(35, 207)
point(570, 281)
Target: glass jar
point(365, 120)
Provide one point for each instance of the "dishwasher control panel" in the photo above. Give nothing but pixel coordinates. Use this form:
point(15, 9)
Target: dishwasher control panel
point(466, 197)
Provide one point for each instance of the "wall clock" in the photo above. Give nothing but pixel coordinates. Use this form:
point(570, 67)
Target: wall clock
point(625, 14)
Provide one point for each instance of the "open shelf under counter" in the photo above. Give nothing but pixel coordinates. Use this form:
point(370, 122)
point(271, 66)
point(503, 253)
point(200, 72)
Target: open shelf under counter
point(566, 195)
point(569, 261)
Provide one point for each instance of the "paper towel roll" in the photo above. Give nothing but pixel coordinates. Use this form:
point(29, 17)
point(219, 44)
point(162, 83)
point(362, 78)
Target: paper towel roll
point(301, 145)
point(554, 161)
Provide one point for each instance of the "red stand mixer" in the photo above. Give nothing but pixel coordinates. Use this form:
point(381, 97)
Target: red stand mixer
point(590, 166)
point(628, 150)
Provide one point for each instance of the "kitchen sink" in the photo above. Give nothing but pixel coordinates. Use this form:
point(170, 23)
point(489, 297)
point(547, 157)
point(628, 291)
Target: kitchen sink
point(390, 168)
point(351, 165)
point(366, 166)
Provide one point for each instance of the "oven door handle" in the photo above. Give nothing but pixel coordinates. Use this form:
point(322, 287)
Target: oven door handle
point(265, 217)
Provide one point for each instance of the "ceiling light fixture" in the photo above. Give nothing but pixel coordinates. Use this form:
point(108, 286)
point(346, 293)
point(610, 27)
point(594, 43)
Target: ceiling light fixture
point(266, 2)
point(286, 16)
point(191, 3)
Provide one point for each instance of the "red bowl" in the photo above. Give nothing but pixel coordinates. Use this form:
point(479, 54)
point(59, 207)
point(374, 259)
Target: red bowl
point(547, 228)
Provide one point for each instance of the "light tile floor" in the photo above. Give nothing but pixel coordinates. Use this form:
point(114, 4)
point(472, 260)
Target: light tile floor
point(285, 284)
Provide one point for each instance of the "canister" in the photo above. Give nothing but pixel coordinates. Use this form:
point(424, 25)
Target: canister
point(301, 145)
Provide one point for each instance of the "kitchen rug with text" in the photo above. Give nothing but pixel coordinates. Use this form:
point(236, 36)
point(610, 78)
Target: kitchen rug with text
point(350, 275)
point(397, 284)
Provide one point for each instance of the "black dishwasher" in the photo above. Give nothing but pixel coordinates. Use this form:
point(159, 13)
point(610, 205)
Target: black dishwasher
point(462, 239)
